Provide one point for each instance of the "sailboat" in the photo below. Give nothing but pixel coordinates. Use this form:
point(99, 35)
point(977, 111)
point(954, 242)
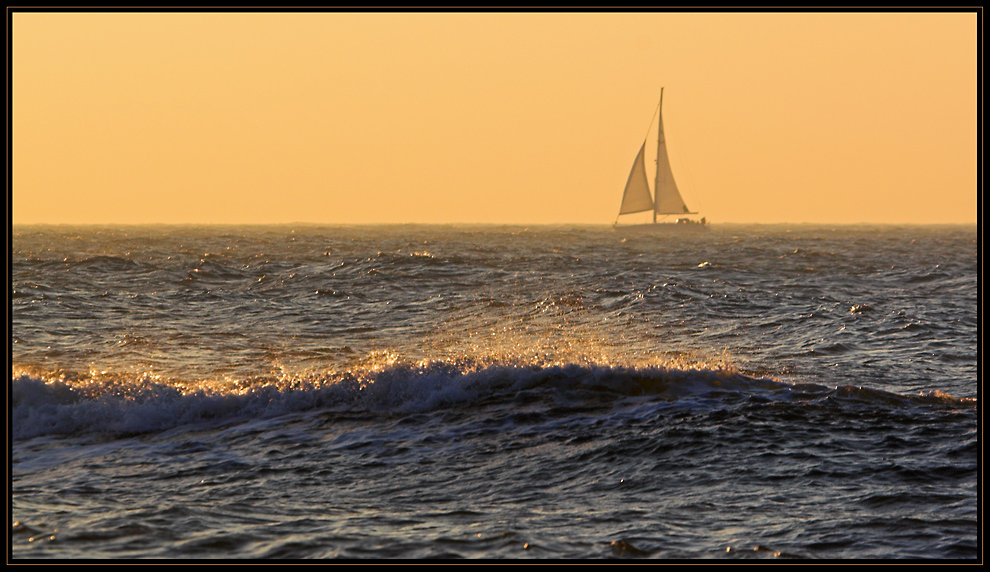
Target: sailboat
point(666, 200)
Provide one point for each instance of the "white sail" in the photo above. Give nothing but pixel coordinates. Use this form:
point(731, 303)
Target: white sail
point(668, 199)
point(665, 198)
point(636, 197)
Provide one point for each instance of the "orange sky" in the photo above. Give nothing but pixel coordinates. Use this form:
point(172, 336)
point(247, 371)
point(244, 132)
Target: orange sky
point(490, 117)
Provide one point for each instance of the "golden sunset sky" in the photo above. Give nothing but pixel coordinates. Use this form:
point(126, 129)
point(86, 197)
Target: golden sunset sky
point(490, 117)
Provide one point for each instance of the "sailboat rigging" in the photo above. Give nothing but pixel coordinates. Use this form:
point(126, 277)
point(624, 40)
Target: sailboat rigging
point(666, 200)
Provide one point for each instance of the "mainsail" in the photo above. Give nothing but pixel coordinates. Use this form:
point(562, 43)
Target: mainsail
point(668, 199)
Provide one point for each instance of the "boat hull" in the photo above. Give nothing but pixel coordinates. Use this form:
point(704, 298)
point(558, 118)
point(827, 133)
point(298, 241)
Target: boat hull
point(661, 228)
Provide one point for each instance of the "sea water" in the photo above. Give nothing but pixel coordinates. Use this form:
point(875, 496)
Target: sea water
point(502, 392)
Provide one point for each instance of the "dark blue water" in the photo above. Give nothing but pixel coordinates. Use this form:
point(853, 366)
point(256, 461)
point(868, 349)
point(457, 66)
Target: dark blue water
point(494, 392)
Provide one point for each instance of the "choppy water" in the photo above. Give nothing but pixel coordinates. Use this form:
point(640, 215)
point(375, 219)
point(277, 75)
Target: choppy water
point(494, 392)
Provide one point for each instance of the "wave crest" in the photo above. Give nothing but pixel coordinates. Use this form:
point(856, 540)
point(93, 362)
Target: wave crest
point(127, 404)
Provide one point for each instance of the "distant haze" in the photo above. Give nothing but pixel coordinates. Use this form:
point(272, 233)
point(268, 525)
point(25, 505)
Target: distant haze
point(490, 117)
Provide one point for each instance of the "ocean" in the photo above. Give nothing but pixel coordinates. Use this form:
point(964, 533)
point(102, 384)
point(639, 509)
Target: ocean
point(494, 392)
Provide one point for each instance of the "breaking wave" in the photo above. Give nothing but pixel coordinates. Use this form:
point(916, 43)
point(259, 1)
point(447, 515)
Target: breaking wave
point(120, 404)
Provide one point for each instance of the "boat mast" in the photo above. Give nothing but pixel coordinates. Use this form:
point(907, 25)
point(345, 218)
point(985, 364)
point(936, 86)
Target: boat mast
point(656, 191)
